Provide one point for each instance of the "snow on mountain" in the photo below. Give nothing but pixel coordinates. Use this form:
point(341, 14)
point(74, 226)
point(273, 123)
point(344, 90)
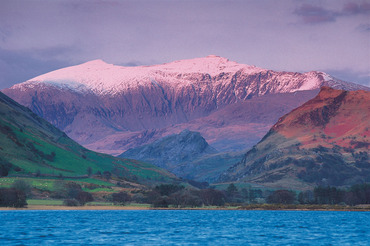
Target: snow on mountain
point(95, 100)
point(102, 78)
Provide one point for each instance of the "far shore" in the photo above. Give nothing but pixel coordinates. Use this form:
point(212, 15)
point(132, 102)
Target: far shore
point(57, 207)
point(363, 208)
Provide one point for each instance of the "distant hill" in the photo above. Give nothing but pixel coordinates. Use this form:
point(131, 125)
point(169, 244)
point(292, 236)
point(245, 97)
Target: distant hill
point(30, 146)
point(323, 142)
point(173, 151)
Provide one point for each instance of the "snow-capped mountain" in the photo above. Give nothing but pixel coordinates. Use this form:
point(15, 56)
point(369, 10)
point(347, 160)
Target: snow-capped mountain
point(101, 105)
point(102, 78)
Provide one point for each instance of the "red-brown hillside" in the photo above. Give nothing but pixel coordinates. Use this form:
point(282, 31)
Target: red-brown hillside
point(334, 117)
point(325, 141)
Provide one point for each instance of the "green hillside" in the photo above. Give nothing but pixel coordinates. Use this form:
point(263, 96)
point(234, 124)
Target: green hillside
point(32, 147)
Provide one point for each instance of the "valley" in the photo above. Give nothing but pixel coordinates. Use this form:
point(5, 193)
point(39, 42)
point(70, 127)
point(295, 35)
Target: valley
point(197, 124)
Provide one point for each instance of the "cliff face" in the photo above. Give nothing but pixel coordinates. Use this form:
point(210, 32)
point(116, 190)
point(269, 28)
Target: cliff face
point(99, 104)
point(324, 141)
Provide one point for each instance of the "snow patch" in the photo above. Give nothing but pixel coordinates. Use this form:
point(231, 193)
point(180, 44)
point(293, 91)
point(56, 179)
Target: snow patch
point(102, 78)
point(327, 77)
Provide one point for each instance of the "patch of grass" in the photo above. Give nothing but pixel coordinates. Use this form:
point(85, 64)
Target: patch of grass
point(98, 190)
point(6, 182)
point(41, 184)
point(51, 184)
point(139, 205)
point(93, 181)
point(45, 202)
point(223, 186)
point(100, 204)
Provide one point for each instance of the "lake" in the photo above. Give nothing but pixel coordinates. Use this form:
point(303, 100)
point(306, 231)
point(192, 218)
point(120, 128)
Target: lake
point(184, 227)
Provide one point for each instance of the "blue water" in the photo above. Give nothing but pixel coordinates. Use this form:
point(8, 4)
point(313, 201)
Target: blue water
point(183, 227)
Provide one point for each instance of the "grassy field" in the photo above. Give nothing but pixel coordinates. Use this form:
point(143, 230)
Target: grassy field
point(45, 202)
point(51, 184)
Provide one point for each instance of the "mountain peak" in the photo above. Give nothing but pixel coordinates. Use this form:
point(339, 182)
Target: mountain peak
point(216, 57)
point(97, 62)
point(212, 65)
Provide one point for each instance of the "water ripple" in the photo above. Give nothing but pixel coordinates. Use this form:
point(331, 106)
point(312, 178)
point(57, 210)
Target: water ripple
point(184, 228)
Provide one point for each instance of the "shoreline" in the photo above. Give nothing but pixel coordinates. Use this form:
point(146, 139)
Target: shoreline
point(60, 207)
point(270, 207)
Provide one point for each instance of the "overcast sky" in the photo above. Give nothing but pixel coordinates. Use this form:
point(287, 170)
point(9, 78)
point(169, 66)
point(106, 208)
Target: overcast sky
point(38, 36)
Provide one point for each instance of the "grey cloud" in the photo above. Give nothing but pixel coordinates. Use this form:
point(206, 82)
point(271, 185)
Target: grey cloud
point(364, 28)
point(312, 14)
point(353, 8)
point(351, 76)
point(19, 66)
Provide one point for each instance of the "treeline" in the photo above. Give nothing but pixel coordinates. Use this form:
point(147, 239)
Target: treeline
point(179, 196)
point(356, 194)
point(166, 195)
point(171, 195)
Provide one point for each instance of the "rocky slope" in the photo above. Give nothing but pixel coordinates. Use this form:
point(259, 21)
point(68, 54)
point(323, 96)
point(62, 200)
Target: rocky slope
point(172, 151)
point(323, 142)
point(31, 146)
point(187, 154)
point(102, 106)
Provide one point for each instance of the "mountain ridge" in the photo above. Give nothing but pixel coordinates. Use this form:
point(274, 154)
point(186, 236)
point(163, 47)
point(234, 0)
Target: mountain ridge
point(162, 100)
point(100, 77)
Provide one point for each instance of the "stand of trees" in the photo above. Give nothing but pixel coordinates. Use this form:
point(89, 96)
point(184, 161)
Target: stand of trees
point(174, 195)
point(11, 197)
point(166, 195)
point(356, 194)
point(178, 196)
point(282, 197)
point(121, 198)
point(72, 194)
